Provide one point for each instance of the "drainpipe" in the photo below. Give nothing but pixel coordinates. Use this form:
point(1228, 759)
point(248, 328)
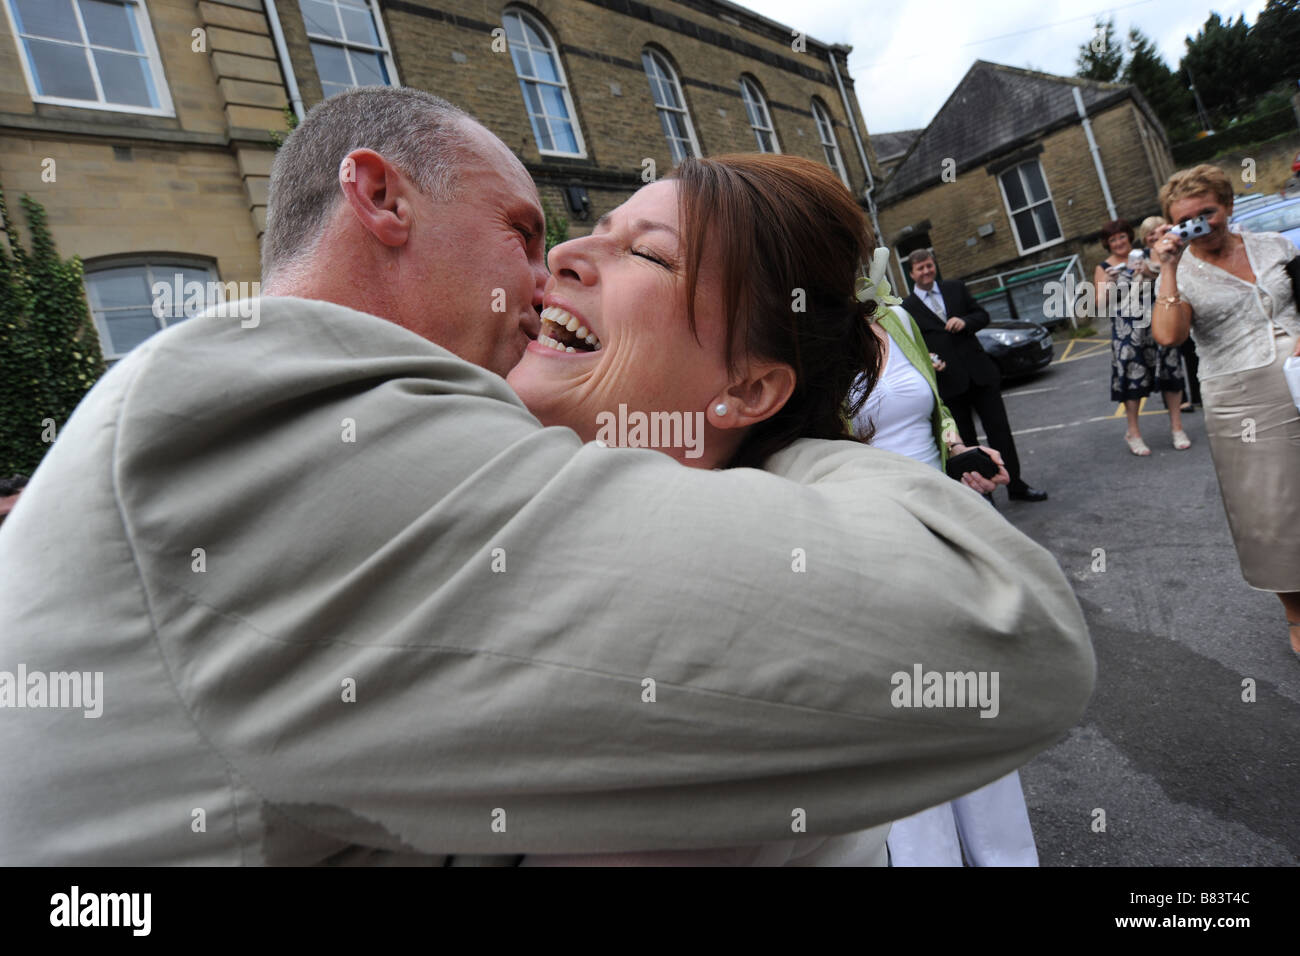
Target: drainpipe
point(282, 54)
point(1096, 153)
point(862, 155)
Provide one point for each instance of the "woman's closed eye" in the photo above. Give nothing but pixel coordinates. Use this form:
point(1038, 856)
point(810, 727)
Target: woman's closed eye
point(644, 253)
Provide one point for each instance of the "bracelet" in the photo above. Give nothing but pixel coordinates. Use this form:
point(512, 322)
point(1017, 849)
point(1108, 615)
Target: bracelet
point(1169, 299)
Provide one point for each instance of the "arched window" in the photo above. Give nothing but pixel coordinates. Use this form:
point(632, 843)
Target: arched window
point(759, 118)
point(133, 297)
point(546, 93)
point(826, 132)
point(671, 104)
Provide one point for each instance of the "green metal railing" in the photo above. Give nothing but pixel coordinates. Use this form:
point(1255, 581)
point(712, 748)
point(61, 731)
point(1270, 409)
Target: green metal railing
point(1020, 293)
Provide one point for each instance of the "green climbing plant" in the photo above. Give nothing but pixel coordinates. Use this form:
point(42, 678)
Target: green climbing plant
point(49, 349)
point(278, 136)
point(557, 226)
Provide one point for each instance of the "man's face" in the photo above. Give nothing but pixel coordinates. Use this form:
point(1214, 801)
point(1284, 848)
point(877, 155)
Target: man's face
point(923, 273)
point(473, 280)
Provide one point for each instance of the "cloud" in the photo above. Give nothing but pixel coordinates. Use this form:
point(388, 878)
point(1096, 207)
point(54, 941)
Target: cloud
point(909, 55)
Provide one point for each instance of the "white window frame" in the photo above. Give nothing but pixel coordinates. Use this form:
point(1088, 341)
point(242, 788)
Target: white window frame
point(159, 268)
point(553, 51)
point(670, 75)
point(826, 133)
point(1011, 218)
point(385, 49)
point(753, 96)
point(150, 52)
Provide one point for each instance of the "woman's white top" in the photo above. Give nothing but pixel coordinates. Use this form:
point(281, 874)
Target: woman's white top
point(1234, 321)
point(901, 406)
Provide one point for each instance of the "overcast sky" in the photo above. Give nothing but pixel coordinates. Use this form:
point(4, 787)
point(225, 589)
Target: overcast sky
point(908, 55)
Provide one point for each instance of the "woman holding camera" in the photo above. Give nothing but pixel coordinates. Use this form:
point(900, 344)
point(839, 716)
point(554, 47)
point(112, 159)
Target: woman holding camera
point(1138, 365)
point(1233, 293)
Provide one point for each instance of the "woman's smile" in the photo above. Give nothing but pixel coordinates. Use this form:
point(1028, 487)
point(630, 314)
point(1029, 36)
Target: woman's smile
point(564, 330)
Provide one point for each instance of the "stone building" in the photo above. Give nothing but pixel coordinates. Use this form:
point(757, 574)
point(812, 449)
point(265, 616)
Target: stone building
point(890, 148)
point(1013, 179)
point(143, 126)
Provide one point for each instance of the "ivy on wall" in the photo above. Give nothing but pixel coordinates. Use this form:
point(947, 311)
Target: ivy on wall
point(49, 349)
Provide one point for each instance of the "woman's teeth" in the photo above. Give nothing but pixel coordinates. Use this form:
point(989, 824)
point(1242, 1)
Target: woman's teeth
point(564, 333)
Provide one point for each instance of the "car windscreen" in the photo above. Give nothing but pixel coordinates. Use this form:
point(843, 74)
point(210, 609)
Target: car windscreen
point(1274, 220)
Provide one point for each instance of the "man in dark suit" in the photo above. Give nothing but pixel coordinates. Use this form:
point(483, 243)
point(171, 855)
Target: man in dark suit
point(970, 383)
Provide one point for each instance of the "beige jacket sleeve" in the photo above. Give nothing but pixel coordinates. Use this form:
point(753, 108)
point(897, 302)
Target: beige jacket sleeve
point(425, 625)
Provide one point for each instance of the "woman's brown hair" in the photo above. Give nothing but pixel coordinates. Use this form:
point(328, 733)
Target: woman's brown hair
point(1114, 228)
point(790, 240)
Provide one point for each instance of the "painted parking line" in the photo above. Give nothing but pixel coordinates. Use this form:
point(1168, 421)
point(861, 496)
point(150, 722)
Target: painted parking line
point(1142, 409)
point(1076, 349)
point(1031, 391)
point(983, 439)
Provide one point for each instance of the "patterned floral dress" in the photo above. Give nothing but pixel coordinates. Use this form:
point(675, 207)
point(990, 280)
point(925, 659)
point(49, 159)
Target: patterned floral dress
point(1138, 365)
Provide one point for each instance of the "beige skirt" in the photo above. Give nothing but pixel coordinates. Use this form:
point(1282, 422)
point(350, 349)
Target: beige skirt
point(1254, 432)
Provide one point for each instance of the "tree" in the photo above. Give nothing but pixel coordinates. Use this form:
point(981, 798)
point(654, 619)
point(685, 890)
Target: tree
point(49, 349)
point(1275, 43)
point(1102, 56)
point(1219, 61)
point(1161, 86)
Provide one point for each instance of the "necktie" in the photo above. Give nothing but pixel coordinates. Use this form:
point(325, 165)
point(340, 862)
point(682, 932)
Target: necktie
point(936, 302)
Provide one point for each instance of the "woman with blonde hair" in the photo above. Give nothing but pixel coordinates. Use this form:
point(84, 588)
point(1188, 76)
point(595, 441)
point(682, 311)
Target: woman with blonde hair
point(1233, 294)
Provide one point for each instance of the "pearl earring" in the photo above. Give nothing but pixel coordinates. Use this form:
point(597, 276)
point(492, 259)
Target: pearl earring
point(720, 408)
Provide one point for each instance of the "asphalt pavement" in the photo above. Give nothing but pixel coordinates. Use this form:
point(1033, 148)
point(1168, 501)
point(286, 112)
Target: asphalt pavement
point(1186, 768)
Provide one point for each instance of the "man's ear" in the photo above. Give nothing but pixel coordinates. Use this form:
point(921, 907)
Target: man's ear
point(763, 391)
point(377, 193)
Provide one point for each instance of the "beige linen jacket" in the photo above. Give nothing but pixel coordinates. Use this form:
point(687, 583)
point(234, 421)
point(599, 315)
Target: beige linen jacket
point(463, 633)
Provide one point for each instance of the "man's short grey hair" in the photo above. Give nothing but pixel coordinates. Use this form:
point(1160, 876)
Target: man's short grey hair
point(918, 255)
point(422, 134)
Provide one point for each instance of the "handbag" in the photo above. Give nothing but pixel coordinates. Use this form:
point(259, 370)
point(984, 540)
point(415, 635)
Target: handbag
point(1293, 270)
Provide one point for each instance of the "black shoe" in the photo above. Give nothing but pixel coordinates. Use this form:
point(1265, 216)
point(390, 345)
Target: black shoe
point(1025, 493)
point(1187, 408)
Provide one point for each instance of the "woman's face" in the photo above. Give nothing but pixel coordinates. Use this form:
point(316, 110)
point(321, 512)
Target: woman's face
point(625, 285)
point(1119, 244)
point(1215, 213)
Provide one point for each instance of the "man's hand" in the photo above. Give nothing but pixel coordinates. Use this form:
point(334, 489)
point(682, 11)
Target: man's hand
point(955, 324)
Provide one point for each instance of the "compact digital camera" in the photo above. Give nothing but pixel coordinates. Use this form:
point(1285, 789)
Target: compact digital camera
point(1191, 229)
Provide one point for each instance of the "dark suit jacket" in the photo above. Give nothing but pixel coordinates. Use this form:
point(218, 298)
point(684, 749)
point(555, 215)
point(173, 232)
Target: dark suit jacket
point(968, 363)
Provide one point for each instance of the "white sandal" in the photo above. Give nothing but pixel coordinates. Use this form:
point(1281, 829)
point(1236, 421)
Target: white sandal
point(1137, 446)
point(1181, 441)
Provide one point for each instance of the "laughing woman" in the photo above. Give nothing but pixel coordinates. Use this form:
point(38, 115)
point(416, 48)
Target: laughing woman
point(727, 292)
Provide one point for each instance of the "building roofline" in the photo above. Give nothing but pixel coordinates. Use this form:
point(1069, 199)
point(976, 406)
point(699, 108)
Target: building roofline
point(757, 23)
point(1117, 92)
